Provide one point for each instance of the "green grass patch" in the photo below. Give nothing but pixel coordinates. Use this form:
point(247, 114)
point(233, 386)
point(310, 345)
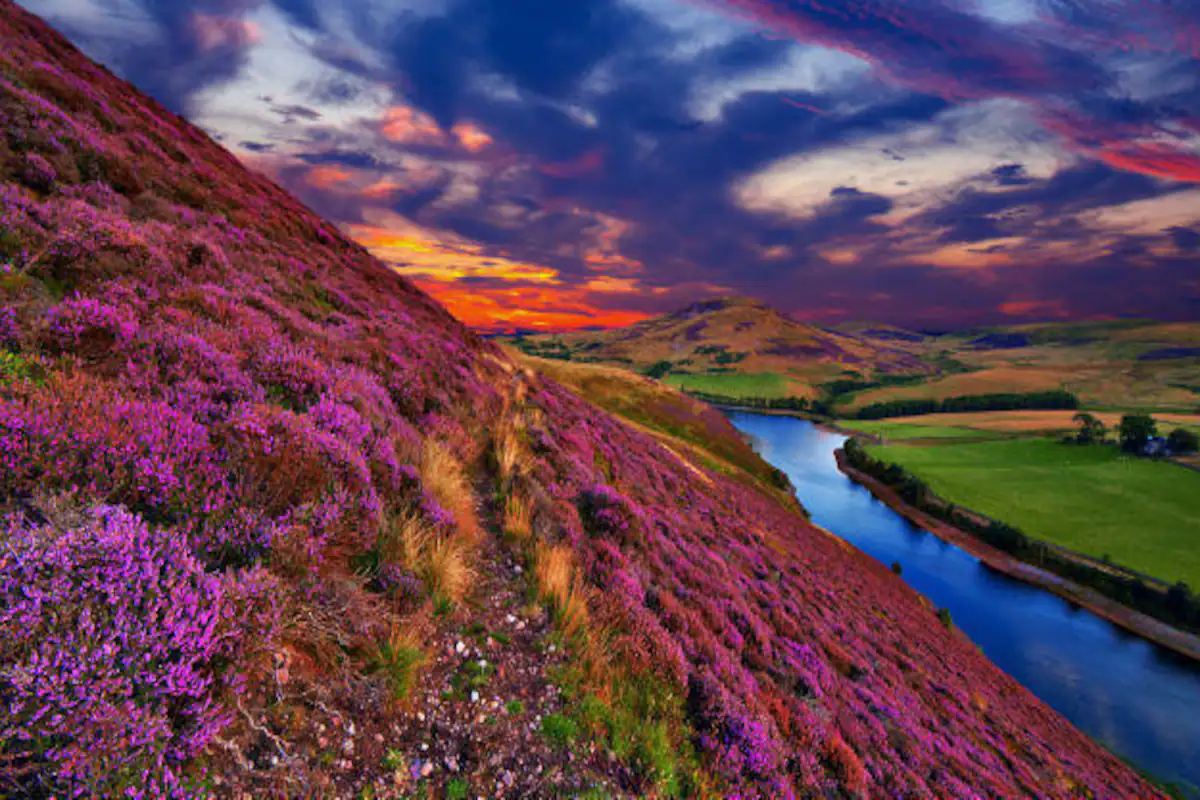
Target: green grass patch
point(559, 730)
point(472, 676)
point(644, 725)
point(734, 384)
point(13, 368)
point(400, 661)
point(1142, 514)
point(906, 431)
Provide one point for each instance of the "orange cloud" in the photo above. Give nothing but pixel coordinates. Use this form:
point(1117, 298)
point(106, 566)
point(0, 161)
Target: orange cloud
point(417, 252)
point(1034, 308)
point(471, 137)
point(381, 189)
point(211, 32)
point(326, 177)
point(407, 125)
point(525, 307)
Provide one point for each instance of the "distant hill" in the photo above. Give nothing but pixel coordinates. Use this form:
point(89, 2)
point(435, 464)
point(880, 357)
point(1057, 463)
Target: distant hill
point(743, 349)
point(736, 346)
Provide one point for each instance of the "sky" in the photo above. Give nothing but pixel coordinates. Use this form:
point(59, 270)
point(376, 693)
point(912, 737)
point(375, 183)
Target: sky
point(558, 164)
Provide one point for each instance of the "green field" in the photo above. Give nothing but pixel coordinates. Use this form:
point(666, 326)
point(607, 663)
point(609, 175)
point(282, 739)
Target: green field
point(734, 384)
point(908, 431)
point(1143, 514)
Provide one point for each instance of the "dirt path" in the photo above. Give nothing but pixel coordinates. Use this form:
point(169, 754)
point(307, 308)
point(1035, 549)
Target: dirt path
point(475, 728)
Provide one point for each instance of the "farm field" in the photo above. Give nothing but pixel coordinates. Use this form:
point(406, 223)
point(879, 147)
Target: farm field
point(1094, 500)
point(912, 428)
point(735, 384)
point(972, 424)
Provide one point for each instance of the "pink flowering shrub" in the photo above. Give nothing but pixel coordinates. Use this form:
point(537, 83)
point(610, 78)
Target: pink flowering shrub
point(39, 174)
point(115, 652)
point(10, 329)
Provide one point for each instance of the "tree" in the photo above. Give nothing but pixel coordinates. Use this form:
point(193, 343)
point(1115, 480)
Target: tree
point(1181, 440)
point(1091, 430)
point(659, 369)
point(1135, 429)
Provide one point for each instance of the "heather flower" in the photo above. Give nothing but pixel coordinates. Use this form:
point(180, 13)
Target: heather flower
point(113, 640)
point(10, 328)
point(38, 173)
point(84, 320)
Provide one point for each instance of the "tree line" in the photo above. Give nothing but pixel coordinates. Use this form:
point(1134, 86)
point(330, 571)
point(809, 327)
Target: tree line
point(1050, 400)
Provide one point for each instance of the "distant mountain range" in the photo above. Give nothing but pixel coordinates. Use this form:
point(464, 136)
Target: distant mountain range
point(740, 347)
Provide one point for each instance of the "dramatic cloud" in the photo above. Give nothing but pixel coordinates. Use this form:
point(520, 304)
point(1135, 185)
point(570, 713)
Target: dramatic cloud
point(562, 164)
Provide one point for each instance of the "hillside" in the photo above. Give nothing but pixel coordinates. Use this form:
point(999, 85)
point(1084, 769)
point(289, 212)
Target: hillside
point(733, 346)
point(1119, 364)
point(272, 523)
point(743, 349)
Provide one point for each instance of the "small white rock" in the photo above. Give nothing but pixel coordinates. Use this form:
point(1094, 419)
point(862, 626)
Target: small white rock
point(474, 697)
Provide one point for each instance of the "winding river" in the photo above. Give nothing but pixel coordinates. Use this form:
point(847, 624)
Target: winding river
point(1141, 701)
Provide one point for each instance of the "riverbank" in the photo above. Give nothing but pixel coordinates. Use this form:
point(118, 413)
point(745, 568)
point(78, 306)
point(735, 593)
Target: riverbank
point(823, 423)
point(1147, 627)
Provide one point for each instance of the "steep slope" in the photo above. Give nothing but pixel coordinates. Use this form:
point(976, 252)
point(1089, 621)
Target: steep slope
point(733, 336)
point(269, 514)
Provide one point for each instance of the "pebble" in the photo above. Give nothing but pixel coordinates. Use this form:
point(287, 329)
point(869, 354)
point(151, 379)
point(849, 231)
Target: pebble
point(420, 716)
point(474, 697)
point(459, 648)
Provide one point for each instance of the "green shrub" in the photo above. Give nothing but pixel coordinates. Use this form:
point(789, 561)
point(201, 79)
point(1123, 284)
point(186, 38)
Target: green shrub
point(399, 658)
point(559, 729)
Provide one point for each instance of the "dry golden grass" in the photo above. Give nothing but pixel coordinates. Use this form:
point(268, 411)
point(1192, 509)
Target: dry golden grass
point(404, 540)
point(447, 569)
point(518, 515)
point(560, 588)
point(988, 381)
point(508, 448)
point(444, 477)
point(442, 562)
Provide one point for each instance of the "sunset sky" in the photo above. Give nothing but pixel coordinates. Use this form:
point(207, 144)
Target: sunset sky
point(565, 163)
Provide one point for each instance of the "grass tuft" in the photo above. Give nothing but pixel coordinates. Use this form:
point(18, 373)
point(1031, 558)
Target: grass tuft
point(400, 658)
point(444, 477)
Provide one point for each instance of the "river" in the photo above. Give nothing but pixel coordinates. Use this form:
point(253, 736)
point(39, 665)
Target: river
point(1141, 701)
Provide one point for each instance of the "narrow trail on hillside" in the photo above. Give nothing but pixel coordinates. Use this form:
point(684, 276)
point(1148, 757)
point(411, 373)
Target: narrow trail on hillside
point(479, 710)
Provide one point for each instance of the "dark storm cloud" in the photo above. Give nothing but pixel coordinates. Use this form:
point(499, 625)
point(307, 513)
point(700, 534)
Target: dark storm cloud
point(198, 44)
